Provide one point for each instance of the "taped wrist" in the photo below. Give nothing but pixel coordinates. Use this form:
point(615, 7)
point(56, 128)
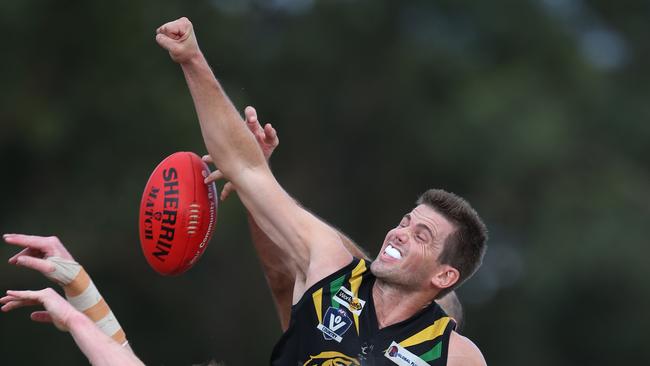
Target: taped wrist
point(83, 295)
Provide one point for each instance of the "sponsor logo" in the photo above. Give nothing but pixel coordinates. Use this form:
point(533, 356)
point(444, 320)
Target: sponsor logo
point(392, 352)
point(331, 358)
point(346, 298)
point(166, 217)
point(401, 356)
point(335, 323)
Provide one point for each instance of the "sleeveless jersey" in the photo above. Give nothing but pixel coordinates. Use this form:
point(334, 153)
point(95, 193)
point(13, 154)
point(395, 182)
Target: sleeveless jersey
point(335, 323)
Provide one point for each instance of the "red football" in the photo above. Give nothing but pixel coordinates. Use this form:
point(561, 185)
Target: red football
point(178, 213)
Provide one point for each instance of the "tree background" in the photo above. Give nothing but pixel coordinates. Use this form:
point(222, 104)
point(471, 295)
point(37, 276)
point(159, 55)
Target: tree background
point(536, 111)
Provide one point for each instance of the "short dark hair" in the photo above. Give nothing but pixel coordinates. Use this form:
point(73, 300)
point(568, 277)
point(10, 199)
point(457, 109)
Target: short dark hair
point(465, 247)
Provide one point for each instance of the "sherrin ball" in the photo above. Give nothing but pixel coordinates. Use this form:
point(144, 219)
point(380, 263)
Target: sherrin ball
point(178, 213)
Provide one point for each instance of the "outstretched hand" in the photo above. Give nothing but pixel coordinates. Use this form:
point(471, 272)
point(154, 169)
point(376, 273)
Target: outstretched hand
point(178, 38)
point(57, 310)
point(267, 139)
point(36, 250)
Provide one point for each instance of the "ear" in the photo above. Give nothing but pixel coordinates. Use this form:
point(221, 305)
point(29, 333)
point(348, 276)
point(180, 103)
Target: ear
point(446, 277)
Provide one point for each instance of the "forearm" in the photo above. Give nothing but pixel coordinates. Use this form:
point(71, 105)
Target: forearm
point(100, 349)
point(231, 146)
point(84, 296)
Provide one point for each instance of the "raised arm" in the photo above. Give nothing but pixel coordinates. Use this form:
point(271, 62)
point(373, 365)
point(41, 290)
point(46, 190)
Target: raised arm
point(314, 247)
point(275, 265)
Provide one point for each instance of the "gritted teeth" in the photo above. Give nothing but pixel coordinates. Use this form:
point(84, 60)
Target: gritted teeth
point(392, 252)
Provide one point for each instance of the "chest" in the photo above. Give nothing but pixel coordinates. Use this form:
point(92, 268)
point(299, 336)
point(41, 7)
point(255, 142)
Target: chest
point(339, 327)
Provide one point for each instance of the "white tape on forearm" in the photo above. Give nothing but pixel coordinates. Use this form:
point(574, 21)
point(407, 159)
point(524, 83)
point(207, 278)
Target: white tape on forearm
point(86, 299)
point(73, 278)
point(109, 325)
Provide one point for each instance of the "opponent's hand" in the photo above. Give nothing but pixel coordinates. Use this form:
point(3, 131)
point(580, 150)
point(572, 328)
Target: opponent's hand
point(36, 250)
point(178, 38)
point(57, 310)
point(266, 137)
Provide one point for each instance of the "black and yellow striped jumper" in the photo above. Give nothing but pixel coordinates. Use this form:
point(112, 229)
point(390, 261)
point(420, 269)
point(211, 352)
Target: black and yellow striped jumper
point(335, 323)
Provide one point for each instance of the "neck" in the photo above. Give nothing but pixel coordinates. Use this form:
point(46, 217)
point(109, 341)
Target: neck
point(394, 304)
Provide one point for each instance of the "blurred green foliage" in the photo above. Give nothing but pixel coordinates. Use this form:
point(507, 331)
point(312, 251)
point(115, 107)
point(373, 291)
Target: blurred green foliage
point(537, 111)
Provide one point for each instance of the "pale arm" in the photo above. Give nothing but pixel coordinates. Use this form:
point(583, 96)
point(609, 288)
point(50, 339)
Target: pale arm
point(235, 152)
point(463, 352)
point(100, 349)
point(49, 256)
point(275, 264)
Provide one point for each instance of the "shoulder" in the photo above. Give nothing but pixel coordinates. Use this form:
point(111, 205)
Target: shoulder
point(462, 351)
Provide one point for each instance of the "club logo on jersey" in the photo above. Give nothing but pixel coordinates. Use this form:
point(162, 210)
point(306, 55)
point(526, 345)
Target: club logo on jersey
point(331, 358)
point(346, 298)
point(401, 356)
point(335, 323)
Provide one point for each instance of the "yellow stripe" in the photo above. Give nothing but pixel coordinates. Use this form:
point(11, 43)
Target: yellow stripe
point(318, 304)
point(355, 283)
point(427, 333)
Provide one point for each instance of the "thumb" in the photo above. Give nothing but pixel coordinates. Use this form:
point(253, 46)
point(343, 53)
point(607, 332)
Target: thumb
point(41, 317)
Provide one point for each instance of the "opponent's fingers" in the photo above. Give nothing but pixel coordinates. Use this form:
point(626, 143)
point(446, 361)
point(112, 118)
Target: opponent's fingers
point(27, 252)
point(271, 135)
point(37, 264)
point(41, 317)
point(7, 298)
point(252, 122)
point(22, 295)
point(23, 298)
point(29, 241)
point(207, 159)
point(214, 176)
point(227, 189)
point(17, 303)
point(250, 113)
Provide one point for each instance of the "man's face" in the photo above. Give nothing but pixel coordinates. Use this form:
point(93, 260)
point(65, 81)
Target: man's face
point(409, 255)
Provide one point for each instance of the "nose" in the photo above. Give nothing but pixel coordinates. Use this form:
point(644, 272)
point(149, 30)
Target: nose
point(401, 235)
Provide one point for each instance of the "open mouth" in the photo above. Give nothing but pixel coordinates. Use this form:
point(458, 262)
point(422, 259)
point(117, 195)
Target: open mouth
point(392, 252)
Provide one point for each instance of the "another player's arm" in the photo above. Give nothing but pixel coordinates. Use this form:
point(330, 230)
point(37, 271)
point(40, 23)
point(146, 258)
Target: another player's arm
point(315, 248)
point(463, 352)
point(100, 349)
point(50, 257)
point(278, 270)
